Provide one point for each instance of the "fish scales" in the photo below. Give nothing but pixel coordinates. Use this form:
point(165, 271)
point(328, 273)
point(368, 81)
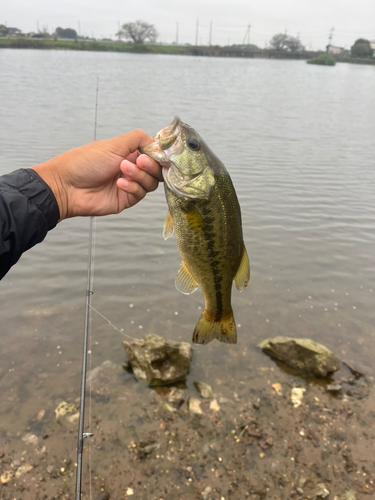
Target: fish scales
point(205, 216)
point(209, 245)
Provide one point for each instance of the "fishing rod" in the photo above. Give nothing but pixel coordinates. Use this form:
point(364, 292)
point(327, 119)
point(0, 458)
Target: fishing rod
point(82, 435)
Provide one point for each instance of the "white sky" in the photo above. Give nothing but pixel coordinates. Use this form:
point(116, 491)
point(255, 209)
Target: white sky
point(311, 19)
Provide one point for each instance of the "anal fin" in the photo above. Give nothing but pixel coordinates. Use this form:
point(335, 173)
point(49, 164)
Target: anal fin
point(185, 282)
point(243, 272)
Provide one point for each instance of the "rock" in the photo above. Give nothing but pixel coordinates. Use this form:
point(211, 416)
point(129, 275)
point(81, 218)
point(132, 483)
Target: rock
point(198, 471)
point(319, 492)
point(129, 492)
point(204, 390)
point(23, 469)
point(101, 370)
point(150, 448)
point(206, 492)
point(277, 388)
point(41, 414)
point(334, 388)
point(170, 408)
point(214, 405)
point(73, 418)
point(357, 369)
point(158, 361)
point(175, 396)
point(349, 495)
point(6, 476)
point(302, 354)
point(223, 400)
point(30, 439)
point(194, 406)
point(63, 408)
point(297, 395)
point(104, 495)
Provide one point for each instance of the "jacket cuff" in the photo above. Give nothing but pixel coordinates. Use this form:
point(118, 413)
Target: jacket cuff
point(38, 192)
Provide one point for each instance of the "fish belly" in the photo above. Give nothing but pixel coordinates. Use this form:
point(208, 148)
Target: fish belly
point(209, 239)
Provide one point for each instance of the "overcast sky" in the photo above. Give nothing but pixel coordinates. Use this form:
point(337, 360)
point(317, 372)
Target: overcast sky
point(312, 20)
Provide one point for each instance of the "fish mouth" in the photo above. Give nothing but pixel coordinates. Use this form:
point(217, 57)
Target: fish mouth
point(167, 142)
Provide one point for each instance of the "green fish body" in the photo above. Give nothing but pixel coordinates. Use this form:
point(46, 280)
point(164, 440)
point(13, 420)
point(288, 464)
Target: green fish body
point(205, 216)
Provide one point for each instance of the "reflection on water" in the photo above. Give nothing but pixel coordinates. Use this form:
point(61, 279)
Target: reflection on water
point(297, 140)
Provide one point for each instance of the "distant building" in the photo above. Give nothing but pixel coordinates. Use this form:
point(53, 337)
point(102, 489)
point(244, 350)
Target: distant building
point(13, 32)
point(5, 31)
point(372, 45)
point(335, 51)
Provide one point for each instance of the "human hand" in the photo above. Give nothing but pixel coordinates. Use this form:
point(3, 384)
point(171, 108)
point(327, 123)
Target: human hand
point(102, 177)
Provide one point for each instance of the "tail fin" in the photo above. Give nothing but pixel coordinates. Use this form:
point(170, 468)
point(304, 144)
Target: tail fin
point(208, 329)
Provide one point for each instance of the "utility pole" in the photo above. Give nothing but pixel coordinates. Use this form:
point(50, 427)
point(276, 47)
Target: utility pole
point(330, 38)
point(176, 33)
point(246, 40)
point(210, 39)
point(196, 33)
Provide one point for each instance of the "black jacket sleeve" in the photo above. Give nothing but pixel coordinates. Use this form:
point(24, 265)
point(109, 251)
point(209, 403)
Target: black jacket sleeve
point(28, 210)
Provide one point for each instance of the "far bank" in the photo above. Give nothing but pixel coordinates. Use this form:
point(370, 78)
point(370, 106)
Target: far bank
point(189, 50)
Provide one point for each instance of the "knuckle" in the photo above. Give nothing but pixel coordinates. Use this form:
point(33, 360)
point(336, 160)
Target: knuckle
point(137, 131)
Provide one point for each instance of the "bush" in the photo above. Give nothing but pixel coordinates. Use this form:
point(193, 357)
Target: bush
point(361, 48)
point(323, 59)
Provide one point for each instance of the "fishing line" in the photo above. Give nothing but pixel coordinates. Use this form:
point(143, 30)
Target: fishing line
point(87, 334)
point(198, 348)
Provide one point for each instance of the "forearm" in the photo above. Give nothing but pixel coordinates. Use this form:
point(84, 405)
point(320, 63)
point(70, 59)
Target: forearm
point(28, 210)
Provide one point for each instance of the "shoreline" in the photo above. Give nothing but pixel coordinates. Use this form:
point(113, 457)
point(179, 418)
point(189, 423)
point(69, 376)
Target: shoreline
point(189, 50)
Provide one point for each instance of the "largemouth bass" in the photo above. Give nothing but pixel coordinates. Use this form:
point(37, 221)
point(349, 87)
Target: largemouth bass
point(205, 216)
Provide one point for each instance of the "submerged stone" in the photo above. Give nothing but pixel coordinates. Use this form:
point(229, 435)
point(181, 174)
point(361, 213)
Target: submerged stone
point(204, 390)
point(302, 354)
point(320, 491)
point(158, 361)
point(194, 406)
point(357, 369)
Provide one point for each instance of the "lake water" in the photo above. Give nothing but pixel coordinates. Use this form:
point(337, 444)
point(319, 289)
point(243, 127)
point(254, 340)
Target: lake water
point(298, 141)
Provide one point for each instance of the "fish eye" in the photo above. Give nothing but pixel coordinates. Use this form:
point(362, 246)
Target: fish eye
point(193, 144)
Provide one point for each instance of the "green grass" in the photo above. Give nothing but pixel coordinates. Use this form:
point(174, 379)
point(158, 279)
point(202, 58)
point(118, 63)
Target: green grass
point(37, 43)
point(323, 59)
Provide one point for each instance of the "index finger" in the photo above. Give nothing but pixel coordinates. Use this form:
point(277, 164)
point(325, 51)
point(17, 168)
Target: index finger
point(125, 144)
point(150, 166)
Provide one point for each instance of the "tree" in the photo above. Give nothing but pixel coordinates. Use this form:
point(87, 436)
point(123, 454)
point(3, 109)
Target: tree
point(66, 33)
point(138, 32)
point(362, 48)
point(278, 41)
point(294, 44)
point(282, 41)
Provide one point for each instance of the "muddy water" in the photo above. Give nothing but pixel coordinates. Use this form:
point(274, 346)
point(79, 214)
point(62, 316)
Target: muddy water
point(298, 142)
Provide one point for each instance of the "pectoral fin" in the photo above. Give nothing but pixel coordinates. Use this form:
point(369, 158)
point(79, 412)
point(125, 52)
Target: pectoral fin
point(185, 282)
point(243, 273)
point(168, 229)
